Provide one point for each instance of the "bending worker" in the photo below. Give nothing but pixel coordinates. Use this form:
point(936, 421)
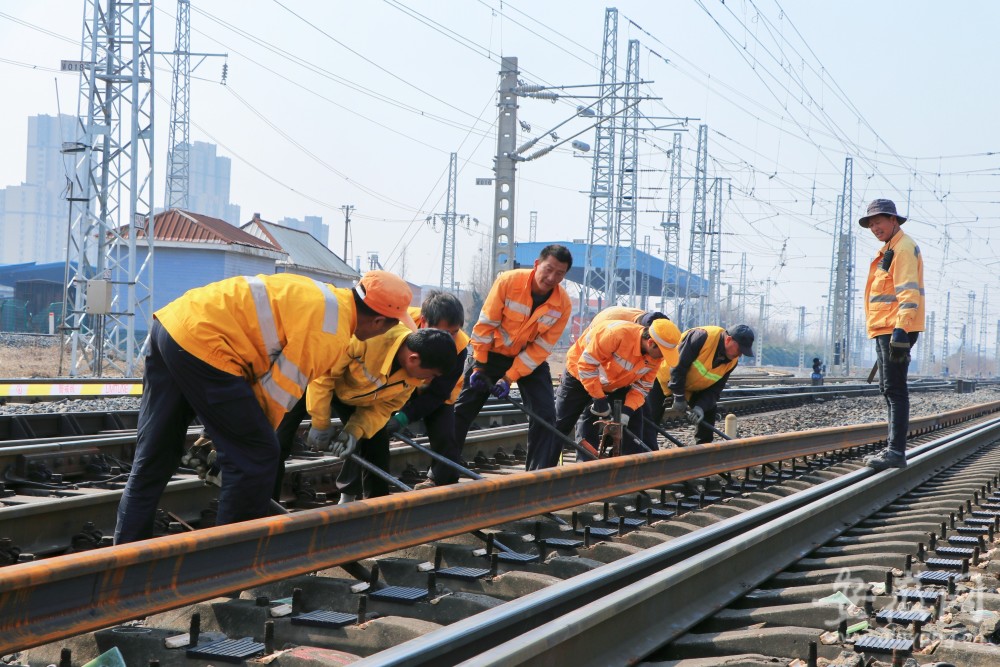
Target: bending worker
point(521, 321)
point(373, 379)
point(894, 314)
point(612, 361)
point(434, 403)
point(708, 356)
point(238, 355)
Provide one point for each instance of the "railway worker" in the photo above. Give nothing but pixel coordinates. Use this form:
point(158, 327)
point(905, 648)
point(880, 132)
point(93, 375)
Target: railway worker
point(612, 360)
point(624, 313)
point(708, 355)
point(434, 403)
point(238, 354)
point(521, 321)
point(373, 379)
point(894, 314)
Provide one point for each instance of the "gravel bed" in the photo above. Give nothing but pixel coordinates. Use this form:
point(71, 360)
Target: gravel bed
point(72, 405)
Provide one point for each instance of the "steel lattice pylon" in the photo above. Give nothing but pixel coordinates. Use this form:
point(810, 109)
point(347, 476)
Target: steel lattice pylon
point(448, 252)
point(599, 223)
point(672, 228)
point(112, 191)
point(694, 311)
point(624, 240)
point(179, 143)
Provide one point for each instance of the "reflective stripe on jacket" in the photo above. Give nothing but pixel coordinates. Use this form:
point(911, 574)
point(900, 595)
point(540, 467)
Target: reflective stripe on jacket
point(609, 356)
point(507, 325)
point(279, 332)
point(623, 313)
point(364, 378)
point(703, 371)
point(461, 345)
point(895, 298)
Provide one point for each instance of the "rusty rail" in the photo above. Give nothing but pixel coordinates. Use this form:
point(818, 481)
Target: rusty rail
point(42, 602)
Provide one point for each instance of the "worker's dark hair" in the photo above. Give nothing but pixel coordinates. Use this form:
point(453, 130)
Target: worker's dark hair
point(436, 348)
point(364, 309)
point(441, 307)
point(560, 252)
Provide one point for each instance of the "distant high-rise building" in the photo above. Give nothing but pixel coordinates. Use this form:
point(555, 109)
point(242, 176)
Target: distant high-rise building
point(208, 189)
point(313, 224)
point(34, 215)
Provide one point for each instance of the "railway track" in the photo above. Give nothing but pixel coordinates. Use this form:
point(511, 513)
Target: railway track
point(156, 576)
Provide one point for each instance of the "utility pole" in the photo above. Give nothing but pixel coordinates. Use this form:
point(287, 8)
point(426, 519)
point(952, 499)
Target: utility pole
point(802, 337)
point(841, 275)
point(981, 346)
point(347, 209)
point(111, 195)
point(671, 225)
point(503, 202)
point(533, 226)
point(944, 334)
point(712, 312)
point(646, 249)
point(694, 315)
point(600, 221)
point(179, 142)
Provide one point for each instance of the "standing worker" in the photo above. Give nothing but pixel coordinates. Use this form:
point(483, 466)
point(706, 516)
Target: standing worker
point(434, 403)
point(612, 360)
point(894, 315)
point(521, 321)
point(708, 356)
point(238, 354)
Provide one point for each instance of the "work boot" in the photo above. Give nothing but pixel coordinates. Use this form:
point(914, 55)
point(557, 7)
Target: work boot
point(886, 459)
point(426, 484)
point(346, 498)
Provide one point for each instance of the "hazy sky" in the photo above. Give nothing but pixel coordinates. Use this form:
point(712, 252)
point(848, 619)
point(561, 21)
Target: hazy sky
point(333, 103)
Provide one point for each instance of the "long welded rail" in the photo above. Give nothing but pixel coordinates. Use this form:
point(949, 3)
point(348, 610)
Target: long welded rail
point(635, 599)
point(45, 601)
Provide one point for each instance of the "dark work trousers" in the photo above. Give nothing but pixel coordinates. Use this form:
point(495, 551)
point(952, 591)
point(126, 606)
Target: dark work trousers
point(652, 410)
point(176, 387)
point(285, 433)
point(892, 384)
point(440, 425)
point(536, 394)
point(573, 403)
point(354, 479)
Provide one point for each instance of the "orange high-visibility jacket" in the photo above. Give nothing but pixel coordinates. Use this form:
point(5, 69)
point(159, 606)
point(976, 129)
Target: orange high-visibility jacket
point(895, 298)
point(507, 326)
point(461, 342)
point(364, 378)
point(703, 371)
point(623, 313)
point(609, 356)
point(279, 332)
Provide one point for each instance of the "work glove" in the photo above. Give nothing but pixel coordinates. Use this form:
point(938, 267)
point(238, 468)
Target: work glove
point(626, 417)
point(600, 407)
point(480, 381)
point(343, 445)
point(680, 405)
point(899, 346)
point(501, 389)
point(397, 422)
point(696, 415)
point(319, 439)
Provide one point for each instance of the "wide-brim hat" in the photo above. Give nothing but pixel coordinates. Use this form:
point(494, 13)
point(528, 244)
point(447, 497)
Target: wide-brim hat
point(881, 207)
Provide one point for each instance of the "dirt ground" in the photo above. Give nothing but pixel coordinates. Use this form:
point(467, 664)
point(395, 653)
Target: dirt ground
point(30, 361)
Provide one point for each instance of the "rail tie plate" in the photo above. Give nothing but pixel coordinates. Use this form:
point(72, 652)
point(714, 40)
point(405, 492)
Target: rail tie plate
point(463, 573)
point(402, 594)
point(933, 577)
point(943, 563)
point(918, 595)
point(904, 617)
point(227, 650)
point(883, 645)
point(322, 618)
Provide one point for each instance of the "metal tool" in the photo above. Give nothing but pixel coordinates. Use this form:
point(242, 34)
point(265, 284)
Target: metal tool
point(583, 446)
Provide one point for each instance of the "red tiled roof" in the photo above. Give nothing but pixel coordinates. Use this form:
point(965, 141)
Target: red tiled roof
point(178, 225)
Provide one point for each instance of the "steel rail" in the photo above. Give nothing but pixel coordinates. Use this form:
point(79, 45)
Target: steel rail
point(569, 622)
point(42, 602)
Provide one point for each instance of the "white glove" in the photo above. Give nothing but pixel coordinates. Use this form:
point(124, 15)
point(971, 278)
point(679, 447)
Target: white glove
point(624, 420)
point(319, 439)
point(343, 445)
